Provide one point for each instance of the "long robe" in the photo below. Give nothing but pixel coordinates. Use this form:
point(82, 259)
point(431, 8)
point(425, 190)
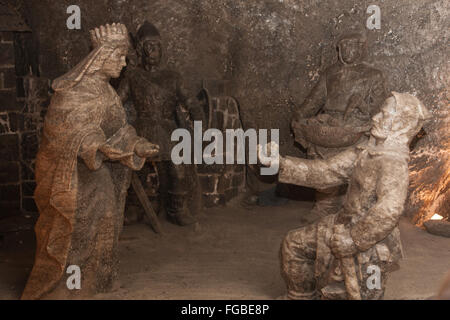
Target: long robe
point(81, 191)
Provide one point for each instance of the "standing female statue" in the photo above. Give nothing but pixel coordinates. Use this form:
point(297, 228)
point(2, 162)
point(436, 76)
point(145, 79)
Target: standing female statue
point(83, 171)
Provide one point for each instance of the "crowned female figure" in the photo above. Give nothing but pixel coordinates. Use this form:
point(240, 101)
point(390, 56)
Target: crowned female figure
point(83, 171)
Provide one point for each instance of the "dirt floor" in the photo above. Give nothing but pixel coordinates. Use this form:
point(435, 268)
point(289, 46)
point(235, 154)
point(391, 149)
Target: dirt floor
point(232, 254)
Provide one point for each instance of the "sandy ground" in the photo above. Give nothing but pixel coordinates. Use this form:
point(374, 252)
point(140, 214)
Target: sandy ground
point(233, 254)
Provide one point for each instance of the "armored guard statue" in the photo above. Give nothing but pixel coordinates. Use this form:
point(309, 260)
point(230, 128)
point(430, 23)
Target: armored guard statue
point(336, 114)
point(159, 98)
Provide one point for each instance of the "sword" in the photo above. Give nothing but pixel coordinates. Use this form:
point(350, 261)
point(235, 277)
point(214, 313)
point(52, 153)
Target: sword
point(143, 199)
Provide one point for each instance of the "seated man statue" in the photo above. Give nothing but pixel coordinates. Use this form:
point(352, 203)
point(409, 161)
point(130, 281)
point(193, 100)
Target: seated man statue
point(335, 257)
point(336, 114)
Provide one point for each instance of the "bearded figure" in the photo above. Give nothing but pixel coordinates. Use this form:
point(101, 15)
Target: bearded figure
point(83, 171)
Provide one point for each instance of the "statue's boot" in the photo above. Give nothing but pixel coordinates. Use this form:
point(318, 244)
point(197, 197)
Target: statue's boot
point(177, 210)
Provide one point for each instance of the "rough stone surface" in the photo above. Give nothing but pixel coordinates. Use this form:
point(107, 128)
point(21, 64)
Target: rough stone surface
point(9, 172)
point(10, 147)
point(8, 100)
point(10, 20)
point(273, 53)
point(9, 200)
point(438, 227)
point(218, 257)
point(7, 53)
point(9, 77)
point(430, 174)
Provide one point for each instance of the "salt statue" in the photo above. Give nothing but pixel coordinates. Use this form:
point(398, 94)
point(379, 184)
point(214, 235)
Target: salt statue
point(83, 171)
point(162, 105)
point(348, 255)
point(336, 114)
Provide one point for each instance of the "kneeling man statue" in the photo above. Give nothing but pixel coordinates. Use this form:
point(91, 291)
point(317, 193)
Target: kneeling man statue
point(336, 257)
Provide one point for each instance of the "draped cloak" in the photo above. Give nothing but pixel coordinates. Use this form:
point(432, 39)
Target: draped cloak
point(80, 190)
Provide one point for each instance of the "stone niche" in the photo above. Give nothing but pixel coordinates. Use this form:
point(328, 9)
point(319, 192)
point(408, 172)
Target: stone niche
point(219, 182)
point(17, 144)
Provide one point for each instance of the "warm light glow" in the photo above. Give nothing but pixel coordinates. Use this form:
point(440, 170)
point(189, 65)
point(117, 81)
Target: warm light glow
point(437, 217)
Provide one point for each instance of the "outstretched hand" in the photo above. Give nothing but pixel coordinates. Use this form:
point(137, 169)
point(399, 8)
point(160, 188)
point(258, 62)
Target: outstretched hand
point(342, 244)
point(269, 154)
point(145, 149)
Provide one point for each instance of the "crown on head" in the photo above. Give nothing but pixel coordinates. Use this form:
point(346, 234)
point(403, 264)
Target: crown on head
point(113, 35)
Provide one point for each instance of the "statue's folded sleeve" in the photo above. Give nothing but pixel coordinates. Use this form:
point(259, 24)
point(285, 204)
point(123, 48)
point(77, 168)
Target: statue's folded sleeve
point(89, 150)
point(318, 173)
point(120, 147)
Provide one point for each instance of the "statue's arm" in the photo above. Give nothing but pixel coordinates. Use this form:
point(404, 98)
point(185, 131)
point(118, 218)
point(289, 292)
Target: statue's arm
point(383, 217)
point(318, 174)
point(89, 148)
point(128, 148)
point(124, 146)
point(314, 101)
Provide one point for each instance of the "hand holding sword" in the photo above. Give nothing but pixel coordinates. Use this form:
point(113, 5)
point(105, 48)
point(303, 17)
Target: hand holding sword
point(344, 248)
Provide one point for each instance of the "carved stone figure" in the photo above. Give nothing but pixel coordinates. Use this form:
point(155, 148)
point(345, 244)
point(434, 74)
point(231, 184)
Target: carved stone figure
point(159, 98)
point(334, 257)
point(83, 171)
point(336, 114)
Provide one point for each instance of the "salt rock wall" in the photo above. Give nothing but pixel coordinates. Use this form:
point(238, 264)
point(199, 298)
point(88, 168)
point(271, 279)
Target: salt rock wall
point(430, 170)
point(273, 51)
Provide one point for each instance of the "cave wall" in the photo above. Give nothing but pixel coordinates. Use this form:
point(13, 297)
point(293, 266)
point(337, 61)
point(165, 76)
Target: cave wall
point(20, 118)
point(272, 53)
point(9, 138)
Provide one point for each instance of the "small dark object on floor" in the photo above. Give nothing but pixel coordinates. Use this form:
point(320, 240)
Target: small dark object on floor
point(438, 227)
point(249, 202)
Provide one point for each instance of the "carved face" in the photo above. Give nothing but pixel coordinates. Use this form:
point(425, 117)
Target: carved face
point(115, 63)
point(351, 50)
point(382, 122)
point(152, 51)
